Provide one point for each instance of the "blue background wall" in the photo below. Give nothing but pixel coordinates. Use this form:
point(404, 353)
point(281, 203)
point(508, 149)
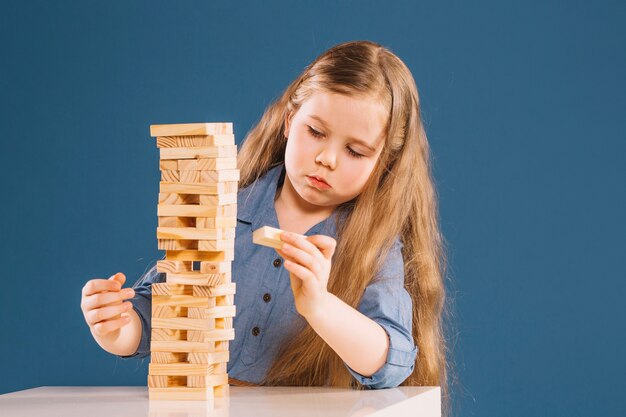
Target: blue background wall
point(523, 105)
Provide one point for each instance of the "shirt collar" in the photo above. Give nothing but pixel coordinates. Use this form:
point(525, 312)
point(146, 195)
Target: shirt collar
point(255, 204)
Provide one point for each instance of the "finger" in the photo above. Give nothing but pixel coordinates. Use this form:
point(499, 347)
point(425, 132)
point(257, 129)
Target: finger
point(306, 276)
point(301, 257)
point(103, 299)
point(301, 243)
point(325, 244)
point(99, 314)
point(119, 277)
point(108, 326)
point(95, 286)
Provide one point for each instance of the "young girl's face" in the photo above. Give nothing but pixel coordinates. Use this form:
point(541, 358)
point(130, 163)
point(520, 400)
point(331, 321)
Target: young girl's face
point(336, 137)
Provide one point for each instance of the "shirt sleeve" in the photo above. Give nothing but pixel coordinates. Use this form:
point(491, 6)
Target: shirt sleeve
point(142, 304)
point(387, 302)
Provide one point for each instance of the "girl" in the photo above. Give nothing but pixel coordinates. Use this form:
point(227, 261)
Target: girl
point(343, 158)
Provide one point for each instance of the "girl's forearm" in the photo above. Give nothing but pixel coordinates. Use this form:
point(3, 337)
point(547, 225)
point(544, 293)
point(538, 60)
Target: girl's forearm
point(125, 340)
point(361, 342)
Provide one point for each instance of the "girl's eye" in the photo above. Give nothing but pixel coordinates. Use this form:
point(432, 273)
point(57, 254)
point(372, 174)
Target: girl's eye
point(354, 154)
point(315, 132)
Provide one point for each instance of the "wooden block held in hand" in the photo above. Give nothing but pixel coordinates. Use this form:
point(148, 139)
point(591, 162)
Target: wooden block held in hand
point(269, 236)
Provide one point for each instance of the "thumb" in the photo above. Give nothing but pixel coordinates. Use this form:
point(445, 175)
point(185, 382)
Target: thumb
point(325, 244)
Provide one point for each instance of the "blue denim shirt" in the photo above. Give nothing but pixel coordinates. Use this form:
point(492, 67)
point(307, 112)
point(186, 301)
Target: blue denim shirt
point(265, 302)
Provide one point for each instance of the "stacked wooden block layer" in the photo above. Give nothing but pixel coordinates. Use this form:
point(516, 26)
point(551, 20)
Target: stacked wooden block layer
point(193, 310)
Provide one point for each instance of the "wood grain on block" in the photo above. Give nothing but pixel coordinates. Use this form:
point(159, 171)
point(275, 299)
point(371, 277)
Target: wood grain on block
point(189, 176)
point(194, 141)
point(189, 233)
point(179, 369)
point(207, 164)
point(169, 311)
point(215, 267)
point(216, 245)
point(168, 334)
point(219, 348)
point(182, 300)
point(186, 210)
point(269, 236)
point(199, 279)
point(229, 151)
point(202, 256)
point(217, 189)
point(191, 129)
point(187, 346)
point(173, 221)
point(213, 291)
point(182, 323)
point(164, 288)
point(170, 175)
point(170, 357)
point(214, 312)
point(220, 222)
point(174, 244)
point(174, 266)
point(165, 165)
point(174, 198)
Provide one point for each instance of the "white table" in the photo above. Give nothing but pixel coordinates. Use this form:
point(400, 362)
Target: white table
point(243, 401)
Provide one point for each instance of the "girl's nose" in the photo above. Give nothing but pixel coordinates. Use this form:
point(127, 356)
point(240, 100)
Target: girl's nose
point(326, 157)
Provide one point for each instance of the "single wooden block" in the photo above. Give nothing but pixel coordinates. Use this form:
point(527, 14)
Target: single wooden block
point(208, 164)
point(191, 129)
point(170, 311)
point(185, 369)
point(221, 189)
point(182, 300)
point(165, 288)
point(174, 266)
point(182, 323)
point(194, 141)
point(216, 245)
point(187, 346)
point(199, 153)
point(269, 236)
point(189, 233)
point(170, 357)
point(176, 199)
point(202, 256)
point(210, 335)
point(174, 244)
point(168, 334)
point(213, 290)
point(223, 175)
point(206, 379)
point(218, 222)
point(199, 278)
point(186, 210)
point(216, 356)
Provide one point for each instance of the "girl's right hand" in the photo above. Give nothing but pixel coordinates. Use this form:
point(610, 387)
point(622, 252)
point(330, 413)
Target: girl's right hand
point(103, 304)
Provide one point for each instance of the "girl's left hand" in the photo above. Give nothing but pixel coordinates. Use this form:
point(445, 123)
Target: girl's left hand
point(308, 262)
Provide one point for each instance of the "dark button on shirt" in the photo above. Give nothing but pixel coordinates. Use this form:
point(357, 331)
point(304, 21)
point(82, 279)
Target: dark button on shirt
point(267, 298)
point(256, 331)
point(277, 262)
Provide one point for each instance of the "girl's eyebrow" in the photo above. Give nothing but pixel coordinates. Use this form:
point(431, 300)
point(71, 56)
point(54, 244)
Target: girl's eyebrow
point(359, 141)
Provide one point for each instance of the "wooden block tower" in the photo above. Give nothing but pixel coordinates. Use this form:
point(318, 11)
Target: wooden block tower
point(193, 310)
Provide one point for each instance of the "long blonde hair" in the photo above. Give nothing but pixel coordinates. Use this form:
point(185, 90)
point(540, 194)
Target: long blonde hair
point(399, 198)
